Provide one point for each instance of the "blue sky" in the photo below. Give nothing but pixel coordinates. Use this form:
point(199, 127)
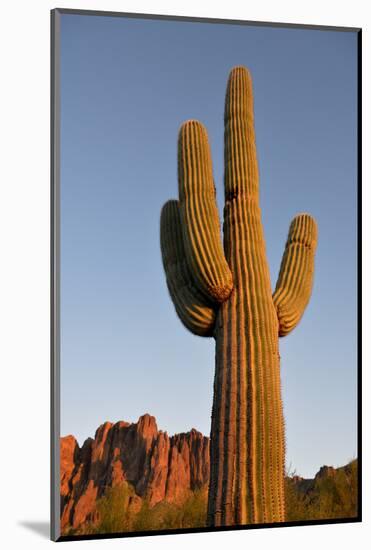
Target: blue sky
point(126, 86)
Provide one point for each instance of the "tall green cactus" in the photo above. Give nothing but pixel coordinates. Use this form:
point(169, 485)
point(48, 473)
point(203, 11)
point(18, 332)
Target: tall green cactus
point(227, 294)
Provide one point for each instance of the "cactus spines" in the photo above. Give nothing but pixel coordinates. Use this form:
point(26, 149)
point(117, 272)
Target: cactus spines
point(233, 291)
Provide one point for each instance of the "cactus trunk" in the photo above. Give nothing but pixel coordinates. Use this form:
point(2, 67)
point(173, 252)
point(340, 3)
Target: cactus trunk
point(227, 293)
point(247, 435)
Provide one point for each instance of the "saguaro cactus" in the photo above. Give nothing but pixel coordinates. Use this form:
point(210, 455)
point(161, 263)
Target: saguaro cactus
point(227, 294)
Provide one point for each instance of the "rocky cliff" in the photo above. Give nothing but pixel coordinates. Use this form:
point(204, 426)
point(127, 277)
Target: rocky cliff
point(159, 467)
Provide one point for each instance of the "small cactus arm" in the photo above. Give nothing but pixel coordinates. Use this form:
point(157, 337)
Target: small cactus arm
point(225, 292)
point(294, 285)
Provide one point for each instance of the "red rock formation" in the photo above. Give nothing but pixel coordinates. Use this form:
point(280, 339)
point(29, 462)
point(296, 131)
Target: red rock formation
point(69, 456)
point(158, 467)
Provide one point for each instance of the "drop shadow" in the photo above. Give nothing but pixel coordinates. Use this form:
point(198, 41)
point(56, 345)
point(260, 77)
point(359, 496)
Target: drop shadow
point(42, 528)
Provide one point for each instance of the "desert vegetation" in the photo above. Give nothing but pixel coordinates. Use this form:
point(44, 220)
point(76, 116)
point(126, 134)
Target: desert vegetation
point(332, 494)
point(174, 516)
point(225, 292)
point(113, 513)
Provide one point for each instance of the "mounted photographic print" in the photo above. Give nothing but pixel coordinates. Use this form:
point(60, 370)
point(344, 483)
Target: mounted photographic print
point(205, 270)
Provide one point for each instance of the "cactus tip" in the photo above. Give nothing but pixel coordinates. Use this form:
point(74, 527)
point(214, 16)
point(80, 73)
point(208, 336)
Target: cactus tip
point(191, 122)
point(239, 70)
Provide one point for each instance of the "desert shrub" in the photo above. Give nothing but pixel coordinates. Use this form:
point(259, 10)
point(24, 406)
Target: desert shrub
point(328, 497)
point(296, 502)
point(194, 511)
point(165, 515)
point(112, 508)
point(336, 497)
point(143, 519)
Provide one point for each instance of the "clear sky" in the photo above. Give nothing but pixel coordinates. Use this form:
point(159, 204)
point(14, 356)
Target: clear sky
point(126, 86)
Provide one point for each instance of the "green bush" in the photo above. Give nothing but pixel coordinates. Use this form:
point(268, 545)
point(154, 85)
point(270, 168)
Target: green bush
point(161, 516)
point(165, 515)
point(114, 516)
point(195, 510)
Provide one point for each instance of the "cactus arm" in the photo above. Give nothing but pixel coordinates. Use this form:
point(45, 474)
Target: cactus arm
point(193, 310)
point(295, 280)
point(199, 214)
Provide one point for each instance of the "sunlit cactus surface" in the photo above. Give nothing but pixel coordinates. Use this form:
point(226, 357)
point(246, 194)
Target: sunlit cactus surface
point(224, 291)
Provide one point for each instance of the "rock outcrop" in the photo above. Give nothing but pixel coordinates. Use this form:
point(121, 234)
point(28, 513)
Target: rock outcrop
point(159, 467)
